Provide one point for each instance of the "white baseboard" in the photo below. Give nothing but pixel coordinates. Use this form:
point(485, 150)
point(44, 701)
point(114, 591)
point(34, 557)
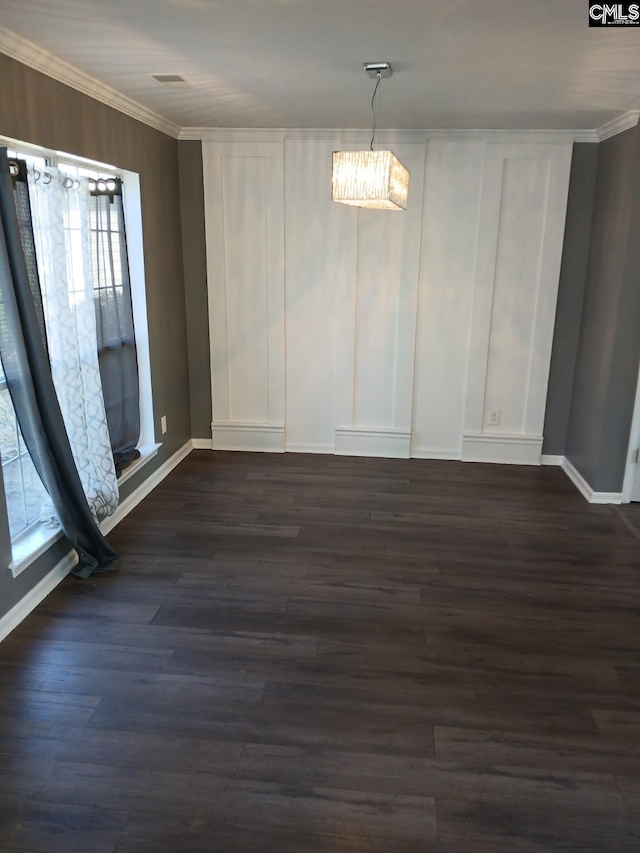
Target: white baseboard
point(259, 438)
point(502, 448)
point(387, 443)
point(40, 591)
point(58, 573)
point(551, 460)
point(585, 489)
point(201, 444)
point(429, 453)
point(309, 447)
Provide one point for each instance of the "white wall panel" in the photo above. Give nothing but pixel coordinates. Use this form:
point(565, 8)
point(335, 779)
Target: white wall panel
point(375, 369)
point(378, 282)
point(523, 205)
point(245, 224)
point(244, 206)
point(320, 265)
point(521, 223)
point(447, 271)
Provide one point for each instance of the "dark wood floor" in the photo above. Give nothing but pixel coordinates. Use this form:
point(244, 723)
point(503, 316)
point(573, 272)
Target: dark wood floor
point(630, 515)
point(312, 653)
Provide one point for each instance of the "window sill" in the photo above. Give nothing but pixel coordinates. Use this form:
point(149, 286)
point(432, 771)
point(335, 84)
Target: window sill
point(32, 544)
point(147, 452)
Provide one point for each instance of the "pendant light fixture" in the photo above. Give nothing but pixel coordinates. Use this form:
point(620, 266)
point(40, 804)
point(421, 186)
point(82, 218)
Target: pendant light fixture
point(374, 179)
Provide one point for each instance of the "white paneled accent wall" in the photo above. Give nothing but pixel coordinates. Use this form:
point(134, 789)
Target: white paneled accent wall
point(380, 333)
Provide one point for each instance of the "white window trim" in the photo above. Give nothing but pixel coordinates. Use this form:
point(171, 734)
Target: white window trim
point(32, 544)
point(35, 541)
point(132, 203)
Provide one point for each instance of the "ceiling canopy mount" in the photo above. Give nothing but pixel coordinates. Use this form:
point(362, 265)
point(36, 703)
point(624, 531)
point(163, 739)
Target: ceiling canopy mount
point(378, 69)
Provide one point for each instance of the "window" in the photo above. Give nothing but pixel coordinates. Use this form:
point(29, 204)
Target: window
point(24, 493)
point(23, 490)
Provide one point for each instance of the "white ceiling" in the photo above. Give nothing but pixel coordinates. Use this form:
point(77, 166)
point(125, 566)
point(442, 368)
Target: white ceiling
point(298, 63)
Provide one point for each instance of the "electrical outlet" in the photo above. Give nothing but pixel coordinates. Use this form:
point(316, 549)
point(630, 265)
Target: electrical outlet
point(494, 418)
point(163, 424)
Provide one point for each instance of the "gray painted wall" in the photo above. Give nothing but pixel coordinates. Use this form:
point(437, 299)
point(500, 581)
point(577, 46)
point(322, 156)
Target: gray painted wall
point(195, 283)
point(35, 108)
point(573, 274)
point(625, 356)
point(608, 354)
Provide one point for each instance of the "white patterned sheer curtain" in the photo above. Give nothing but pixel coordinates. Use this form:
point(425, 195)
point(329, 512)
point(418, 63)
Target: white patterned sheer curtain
point(61, 228)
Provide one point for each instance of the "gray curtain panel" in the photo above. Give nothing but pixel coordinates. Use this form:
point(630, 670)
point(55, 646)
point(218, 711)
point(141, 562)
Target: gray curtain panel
point(114, 323)
point(25, 225)
point(28, 373)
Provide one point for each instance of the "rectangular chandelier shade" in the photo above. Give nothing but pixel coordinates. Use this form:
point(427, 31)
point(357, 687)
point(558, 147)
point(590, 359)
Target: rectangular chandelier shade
point(375, 179)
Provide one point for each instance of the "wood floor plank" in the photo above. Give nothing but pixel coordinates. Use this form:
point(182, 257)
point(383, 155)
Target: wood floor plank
point(428, 777)
point(551, 828)
point(588, 752)
point(373, 728)
point(58, 828)
point(134, 751)
point(127, 787)
point(150, 687)
point(211, 833)
point(331, 811)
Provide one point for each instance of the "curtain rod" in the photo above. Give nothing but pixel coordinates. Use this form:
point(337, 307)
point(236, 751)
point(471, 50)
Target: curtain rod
point(110, 187)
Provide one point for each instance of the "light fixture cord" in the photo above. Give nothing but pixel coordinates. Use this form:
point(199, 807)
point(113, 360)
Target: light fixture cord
point(373, 111)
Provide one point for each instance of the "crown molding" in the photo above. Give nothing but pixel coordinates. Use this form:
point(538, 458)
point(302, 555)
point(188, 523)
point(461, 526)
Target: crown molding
point(618, 125)
point(385, 136)
point(253, 134)
point(41, 60)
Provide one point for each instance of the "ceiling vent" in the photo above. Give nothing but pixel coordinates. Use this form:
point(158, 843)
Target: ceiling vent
point(172, 81)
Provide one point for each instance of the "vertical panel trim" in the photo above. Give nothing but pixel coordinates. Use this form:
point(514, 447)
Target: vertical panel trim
point(486, 261)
